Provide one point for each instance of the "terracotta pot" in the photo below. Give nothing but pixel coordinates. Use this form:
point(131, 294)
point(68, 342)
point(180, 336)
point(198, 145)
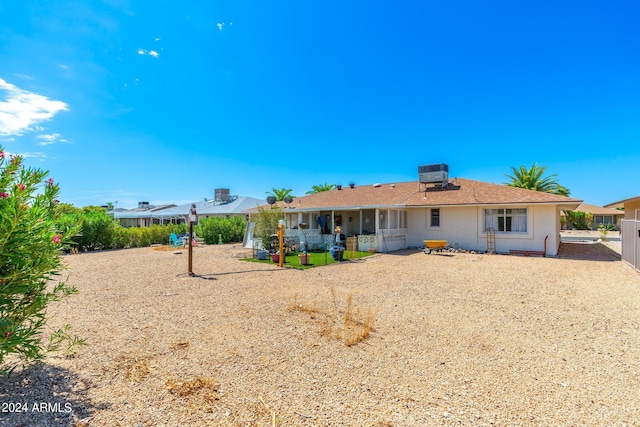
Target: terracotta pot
point(304, 259)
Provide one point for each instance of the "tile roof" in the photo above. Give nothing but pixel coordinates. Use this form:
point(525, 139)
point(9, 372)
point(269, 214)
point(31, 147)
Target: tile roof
point(460, 192)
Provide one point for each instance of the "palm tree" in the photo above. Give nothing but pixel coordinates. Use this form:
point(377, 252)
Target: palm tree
point(532, 179)
point(280, 194)
point(321, 188)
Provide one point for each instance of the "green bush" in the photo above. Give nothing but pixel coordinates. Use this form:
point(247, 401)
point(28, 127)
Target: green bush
point(229, 229)
point(30, 263)
point(580, 220)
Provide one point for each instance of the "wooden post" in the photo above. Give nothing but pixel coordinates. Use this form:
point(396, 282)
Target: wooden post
point(281, 239)
point(193, 218)
point(190, 248)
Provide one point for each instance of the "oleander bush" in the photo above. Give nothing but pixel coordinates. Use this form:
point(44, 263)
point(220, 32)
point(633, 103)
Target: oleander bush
point(30, 263)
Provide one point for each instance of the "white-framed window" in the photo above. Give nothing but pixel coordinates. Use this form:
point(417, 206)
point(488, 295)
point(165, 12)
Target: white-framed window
point(506, 220)
point(434, 217)
point(393, 219)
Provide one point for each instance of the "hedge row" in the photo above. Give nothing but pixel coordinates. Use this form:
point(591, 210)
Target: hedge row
point(99, 231)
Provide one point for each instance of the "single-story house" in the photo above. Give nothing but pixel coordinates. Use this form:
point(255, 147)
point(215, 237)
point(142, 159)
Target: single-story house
point(601, 215)
point(222, 205)
point(464, 212)
point(142, 216)
point(630, 230)
point(235, 206)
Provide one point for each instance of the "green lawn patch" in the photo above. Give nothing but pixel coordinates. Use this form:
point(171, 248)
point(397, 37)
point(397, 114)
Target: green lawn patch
point(316, 259)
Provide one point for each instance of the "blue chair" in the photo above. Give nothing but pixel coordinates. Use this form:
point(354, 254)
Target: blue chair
point(174, 240)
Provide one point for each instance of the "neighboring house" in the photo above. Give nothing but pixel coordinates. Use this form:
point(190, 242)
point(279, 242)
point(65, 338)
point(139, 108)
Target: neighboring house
point(389, 217)
point(601, 215)
point(234, 206)
point(223, 205)
point(630, 230)
point(142, 216)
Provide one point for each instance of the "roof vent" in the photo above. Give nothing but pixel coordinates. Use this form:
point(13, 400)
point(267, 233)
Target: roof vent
point(438, 173)
point(143, 205)
point(377, 185)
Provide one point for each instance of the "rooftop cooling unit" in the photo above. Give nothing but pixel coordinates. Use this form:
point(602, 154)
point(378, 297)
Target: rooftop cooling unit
point(433, 173)
point(143, 205)
point(222, 195)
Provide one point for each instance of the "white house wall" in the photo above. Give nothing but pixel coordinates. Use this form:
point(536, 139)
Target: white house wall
point(464, 227)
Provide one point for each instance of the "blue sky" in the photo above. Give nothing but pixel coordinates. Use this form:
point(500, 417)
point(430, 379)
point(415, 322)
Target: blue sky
point(163, 101)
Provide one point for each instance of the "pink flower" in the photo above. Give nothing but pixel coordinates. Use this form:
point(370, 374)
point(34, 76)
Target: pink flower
point(56, 239)
point(50, 182)
point(3, 195)
point(21, 186)
point(1, 154)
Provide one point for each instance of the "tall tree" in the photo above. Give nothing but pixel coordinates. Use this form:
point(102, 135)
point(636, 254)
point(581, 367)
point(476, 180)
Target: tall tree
point(280, 194)
point(321, 188)
point(532, 179)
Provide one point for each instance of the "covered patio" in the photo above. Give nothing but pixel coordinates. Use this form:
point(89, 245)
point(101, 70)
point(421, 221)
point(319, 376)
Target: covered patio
point(361, 229)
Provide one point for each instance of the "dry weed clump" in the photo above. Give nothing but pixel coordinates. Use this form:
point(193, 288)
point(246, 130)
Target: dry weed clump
point(197, 391)
point(352, 325)
point(134, 367)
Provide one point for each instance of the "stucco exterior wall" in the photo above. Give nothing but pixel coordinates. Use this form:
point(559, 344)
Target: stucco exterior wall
point(630, 209)
point(464, 227)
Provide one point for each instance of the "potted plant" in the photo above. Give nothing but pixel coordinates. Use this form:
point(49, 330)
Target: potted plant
point(303, 256)
point(337, 252)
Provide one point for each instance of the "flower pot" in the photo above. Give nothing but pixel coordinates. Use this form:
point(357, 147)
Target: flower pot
point(304, 259)
point(261, 254)
point(303, 225)
point(275, 257)
point(337, 254)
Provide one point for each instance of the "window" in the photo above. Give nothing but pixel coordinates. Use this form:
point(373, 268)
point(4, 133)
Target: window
point(506, 220)
point(435, 217)
point(603, 219)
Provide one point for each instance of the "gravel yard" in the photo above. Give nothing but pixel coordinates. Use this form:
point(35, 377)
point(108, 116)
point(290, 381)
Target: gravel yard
point(458, 339)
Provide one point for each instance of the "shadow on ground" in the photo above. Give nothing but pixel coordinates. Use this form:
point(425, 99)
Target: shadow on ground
point(587, 251)
point(45, 395)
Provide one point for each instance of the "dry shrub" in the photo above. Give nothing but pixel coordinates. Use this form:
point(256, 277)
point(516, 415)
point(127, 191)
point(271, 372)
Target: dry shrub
point(197, 391)
point(133, 367)
point(357, 324)
point(295, 305)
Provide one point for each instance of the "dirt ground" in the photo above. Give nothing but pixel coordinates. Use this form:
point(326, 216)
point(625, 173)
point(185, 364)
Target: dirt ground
point(452, 339)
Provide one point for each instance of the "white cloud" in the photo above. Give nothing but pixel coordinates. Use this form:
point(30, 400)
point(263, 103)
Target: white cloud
point(50, 139)
point(32, 154)
point(220, 25)
point(148, 52)
point(21, 110)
